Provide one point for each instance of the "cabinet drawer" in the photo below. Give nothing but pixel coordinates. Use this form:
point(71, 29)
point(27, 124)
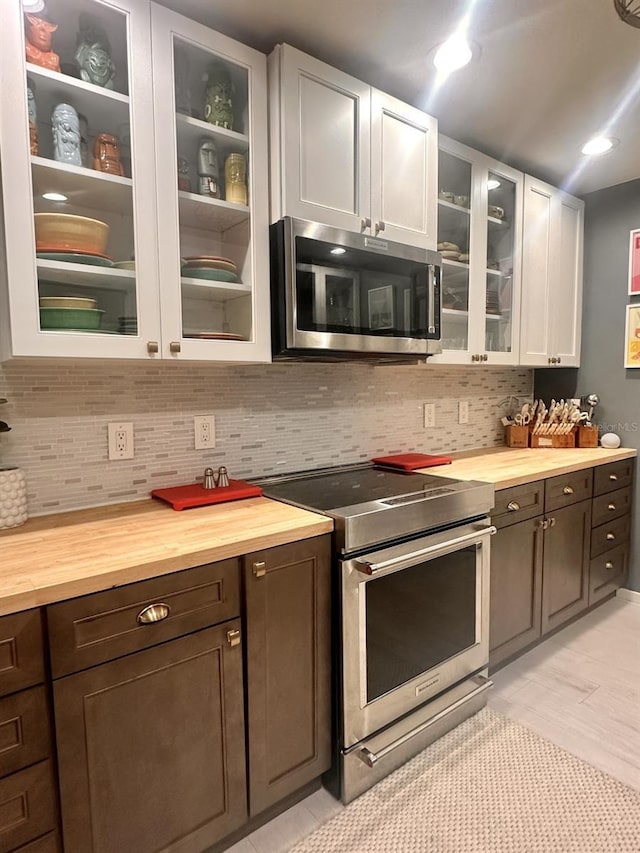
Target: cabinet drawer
point(21, 655)
point(615, 475)
point(27, 806)
point(607, 573)
point(568, 489)
point(106, 625)
point(613, 505)
point(47, 844)
point(518, 504)
point(610, 535)
point(24, 730)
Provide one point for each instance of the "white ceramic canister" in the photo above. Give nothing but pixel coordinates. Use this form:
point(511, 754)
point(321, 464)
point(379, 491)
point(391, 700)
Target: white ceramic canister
point(13, 497)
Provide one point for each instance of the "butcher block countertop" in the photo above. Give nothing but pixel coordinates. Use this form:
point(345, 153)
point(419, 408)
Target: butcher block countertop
point(54, 557)
point(505, 466)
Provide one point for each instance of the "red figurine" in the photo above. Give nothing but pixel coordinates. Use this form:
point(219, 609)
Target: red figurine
point(38, 34)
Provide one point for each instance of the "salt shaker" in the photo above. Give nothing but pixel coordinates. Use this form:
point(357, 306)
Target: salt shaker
point(209, 481)
point(223, 477)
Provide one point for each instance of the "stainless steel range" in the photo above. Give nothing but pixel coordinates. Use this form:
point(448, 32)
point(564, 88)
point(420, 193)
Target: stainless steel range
point(411, 595)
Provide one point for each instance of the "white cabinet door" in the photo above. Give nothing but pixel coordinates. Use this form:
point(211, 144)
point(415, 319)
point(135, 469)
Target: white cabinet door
point(551, 313)
point(122, 318)
point(320, 128)
point(404, 155)
point(213, 219)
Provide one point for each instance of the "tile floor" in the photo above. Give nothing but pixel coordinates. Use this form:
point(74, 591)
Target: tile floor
point(579, 689)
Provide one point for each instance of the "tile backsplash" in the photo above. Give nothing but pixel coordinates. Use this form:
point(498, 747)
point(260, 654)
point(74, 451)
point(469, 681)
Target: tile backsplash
point(269, 418)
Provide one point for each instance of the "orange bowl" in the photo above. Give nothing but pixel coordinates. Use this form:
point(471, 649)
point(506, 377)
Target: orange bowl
point(66, 232)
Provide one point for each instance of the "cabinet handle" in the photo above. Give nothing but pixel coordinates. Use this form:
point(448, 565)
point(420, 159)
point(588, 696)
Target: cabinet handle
point(485, 357)
point(608, 565)
point(552, 522)
point(153, 613)
point(543, 524)
point(380, 226)
point(174, 347)
point(513, 506)
point(568, 490)
point(611, 507)
point(233, 637)
point(152, 346)
point(365, 222)
point(475, 358)
point(613, 477)
point(260, 569)
point(611, 536)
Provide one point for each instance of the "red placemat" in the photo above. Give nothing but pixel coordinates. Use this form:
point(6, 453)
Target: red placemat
point(185, 497)
point(410, 461)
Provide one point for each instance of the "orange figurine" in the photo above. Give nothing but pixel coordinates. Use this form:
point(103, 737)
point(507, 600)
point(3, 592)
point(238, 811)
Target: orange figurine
point(106, 155)
point(38, 34)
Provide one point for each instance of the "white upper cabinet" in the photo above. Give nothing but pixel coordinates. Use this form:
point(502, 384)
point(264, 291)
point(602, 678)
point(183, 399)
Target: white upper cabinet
point(480, 238)
point(551, 276)
point(346, 155)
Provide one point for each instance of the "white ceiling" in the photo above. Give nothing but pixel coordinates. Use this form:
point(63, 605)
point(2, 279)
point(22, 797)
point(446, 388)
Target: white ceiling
point(550, 74)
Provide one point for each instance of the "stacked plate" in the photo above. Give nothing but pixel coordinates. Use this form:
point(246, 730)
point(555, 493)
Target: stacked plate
point(75, 257)
point(128, 325)
point(492, 302)
point(211, 268)
point(212, 336)
point(70, 313)
point(449, 251)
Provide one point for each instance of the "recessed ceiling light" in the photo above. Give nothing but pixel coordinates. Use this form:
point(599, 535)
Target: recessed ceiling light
point(33, 6)
point(454, 53)
point(599, 145)
point(54, 196)
point(493, 184)
point(338, 251)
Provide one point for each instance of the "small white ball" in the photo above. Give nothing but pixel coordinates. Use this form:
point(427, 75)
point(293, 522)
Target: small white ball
point(610, 440)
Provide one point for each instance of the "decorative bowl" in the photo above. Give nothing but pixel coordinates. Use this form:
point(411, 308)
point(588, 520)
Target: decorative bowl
point(70, 318)
point(67, 302)
point(66, 232)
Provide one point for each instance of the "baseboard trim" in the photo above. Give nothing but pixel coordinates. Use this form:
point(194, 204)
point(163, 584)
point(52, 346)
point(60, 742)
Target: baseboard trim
point(629, 595)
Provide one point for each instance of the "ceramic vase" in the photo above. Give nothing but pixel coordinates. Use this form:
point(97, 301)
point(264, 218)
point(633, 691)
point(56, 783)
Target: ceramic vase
point(13, 497)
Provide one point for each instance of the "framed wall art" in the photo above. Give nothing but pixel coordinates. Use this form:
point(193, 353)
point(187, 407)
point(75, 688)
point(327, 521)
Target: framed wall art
point(634, 262)
point(632, 337)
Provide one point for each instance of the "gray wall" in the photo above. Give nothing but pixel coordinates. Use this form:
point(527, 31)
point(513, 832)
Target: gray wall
point(609, 216)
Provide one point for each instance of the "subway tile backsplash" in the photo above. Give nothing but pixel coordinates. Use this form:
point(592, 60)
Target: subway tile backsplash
point(269, 418)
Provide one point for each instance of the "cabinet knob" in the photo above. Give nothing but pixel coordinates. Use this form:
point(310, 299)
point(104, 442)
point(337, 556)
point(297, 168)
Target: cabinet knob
point(513, 506)
point(485, 357)
point(611, 536)
point(543, 524)
point(608, 565)
point(174, 347)
point(552, 522)
point(380, 226)
point(152, 346)
point(153, 613)
point(233, 637)
point(613, 477)
point(365, 223)
point(568, 490)
point(475, 358)
point(558, 360)
point(260, 569)
point(611, 507)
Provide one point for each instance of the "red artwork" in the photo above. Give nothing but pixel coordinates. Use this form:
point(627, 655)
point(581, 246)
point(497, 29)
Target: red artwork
point(38, 34)
point(634, 263)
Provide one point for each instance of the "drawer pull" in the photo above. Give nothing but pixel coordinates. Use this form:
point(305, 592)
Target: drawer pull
point(612, 507)
point(568, 490)
point(233, 637)
point(260, 569)
point(552, 522)
point(611, 536)
point(543, 524)
point(613, 477)
point(513, 506)
point(608, 565)
point(153, 613)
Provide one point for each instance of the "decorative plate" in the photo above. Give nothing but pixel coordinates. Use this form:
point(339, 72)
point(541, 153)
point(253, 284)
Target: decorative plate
point(211, 275)
point(450, 256)
point(76, 258)
point(206, 263)
point(214, 336)
point(192, 259)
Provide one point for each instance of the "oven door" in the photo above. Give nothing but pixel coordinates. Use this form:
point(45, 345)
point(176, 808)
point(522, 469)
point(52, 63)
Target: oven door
point(415, 621)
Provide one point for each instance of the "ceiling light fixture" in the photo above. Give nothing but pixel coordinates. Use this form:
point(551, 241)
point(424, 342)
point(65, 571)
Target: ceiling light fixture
point(338, 251)
point(629, 11)
point(453, 54)
point(55, 196)
point(599, 145)
point(493, 184)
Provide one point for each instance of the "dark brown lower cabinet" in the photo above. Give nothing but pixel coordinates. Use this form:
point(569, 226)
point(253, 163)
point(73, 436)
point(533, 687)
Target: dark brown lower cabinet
point(516, 588)
point(287, 592)
point(27, 805)
point(565, 587)
point(151, 747)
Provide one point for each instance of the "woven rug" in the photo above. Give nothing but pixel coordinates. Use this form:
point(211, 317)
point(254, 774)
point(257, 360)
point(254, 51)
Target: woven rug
point(489, 786)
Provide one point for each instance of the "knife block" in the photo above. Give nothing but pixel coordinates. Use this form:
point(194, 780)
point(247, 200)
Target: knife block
point(517, 436)
point(588, 436)
point(566, 440)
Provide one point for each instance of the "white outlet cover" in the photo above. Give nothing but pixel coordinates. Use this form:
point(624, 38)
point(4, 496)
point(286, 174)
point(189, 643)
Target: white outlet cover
point(120, 440)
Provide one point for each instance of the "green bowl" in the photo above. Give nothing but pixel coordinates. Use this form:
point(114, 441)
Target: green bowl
point(70, 318)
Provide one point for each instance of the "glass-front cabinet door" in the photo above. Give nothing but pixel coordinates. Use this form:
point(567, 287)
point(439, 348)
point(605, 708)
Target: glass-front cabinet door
point(78, 177)
point(210, 106)
point(479, 238)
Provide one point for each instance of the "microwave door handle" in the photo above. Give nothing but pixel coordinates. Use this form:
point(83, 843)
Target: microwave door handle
point(431, 315)
point(368, 568)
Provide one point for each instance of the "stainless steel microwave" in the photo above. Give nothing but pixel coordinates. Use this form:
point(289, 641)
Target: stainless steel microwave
point(338, 295)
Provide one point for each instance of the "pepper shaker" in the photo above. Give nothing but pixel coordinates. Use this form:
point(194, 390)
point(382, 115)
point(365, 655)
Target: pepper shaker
point(209, 481)
point(223, 477)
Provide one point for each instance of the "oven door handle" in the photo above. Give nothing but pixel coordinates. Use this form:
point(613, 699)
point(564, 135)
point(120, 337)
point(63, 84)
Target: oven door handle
point(368, 568)
point(372, 758)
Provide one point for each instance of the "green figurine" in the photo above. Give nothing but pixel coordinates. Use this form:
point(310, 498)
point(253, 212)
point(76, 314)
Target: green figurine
point(93, 53)
point(218, 107)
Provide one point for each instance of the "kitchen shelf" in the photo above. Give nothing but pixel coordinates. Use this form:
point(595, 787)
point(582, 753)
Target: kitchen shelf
point(83, 187)
point(191, 130)
point(455, 314)
point(449, 205)
point(499, 273)
point(494, 221)
point(85, 275)
point(197, 211)
point(455, 274)
point(217, 291)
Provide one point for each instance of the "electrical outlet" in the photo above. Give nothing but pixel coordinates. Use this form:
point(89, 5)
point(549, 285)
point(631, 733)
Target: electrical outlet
point(463, 412)
point(204, 431)
point(429, 415)
point(120, 441)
